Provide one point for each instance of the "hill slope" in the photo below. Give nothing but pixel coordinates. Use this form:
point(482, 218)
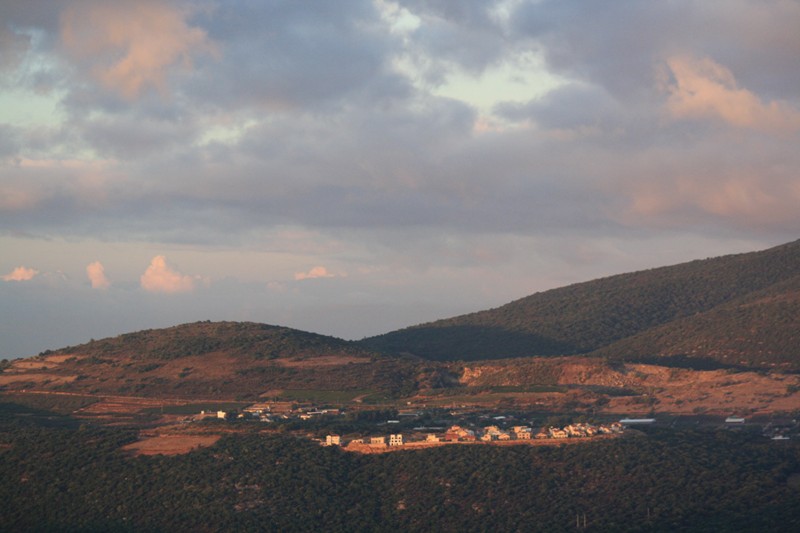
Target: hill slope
point(213, 360)
point(694, 300)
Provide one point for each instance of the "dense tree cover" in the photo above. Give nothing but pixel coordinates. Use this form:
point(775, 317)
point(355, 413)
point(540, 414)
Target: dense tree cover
point(760, 329)
point(75, 478)
point(681, 300)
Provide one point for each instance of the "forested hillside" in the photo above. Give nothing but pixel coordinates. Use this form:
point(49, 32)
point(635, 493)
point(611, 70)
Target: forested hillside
point(760, 329)
point(59, 477)
point(711, 303)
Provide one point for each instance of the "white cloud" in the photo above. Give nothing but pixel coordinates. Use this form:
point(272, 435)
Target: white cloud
point(314, 273)
point(97, 275)
point(159, 277)
point(21, 273)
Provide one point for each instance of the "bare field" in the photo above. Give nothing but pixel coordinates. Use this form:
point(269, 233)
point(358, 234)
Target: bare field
point(653, 388)
point(35, 377)
point(168, 444)
point(326, 360)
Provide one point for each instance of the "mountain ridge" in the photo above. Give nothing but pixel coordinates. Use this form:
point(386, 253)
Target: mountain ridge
point(594, 316)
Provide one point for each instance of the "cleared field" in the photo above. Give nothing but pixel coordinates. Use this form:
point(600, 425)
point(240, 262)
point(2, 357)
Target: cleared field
point(170, 444)
point(38, 378)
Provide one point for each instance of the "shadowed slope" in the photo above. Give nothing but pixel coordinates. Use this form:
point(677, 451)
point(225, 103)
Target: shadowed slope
point(593, 315)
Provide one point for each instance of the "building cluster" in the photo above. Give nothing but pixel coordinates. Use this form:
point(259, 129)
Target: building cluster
point(488, 434)
point(579, 430)
point(268, 412)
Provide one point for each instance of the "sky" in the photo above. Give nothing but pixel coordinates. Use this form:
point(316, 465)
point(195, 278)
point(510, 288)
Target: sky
point(355, 167)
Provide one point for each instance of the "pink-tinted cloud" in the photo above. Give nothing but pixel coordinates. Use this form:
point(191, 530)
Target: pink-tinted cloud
point(705, 89)
point(159, 277)
point(97, 275)
point(131, 46)
point(746, 200)
point(21, 273)
point(314, 273)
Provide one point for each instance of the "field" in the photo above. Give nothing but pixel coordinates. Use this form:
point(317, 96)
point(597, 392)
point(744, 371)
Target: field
point(170, 444)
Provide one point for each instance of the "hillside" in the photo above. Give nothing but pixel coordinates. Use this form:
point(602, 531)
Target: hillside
point(759, 329)
point(738, 308)
point(213, 360)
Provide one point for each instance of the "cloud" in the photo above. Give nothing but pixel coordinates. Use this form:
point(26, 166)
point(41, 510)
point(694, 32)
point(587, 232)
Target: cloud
point(13, 47)
point(132, 46)
point(314, 273)
point(159, 277)
point(97, 275)
point(705, 89)
point(21, 273)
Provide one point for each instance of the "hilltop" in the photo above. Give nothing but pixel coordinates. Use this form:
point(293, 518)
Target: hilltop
point(739, 309)
point(214, 360)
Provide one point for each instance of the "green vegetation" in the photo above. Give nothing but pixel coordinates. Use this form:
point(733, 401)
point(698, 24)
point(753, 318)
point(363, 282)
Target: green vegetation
point(63, 477)
point(739, 310)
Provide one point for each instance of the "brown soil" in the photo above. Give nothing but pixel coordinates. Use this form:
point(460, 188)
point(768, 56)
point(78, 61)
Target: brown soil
point(9, 378)
point(326, 360)
point(170, 444)
point(655, 388)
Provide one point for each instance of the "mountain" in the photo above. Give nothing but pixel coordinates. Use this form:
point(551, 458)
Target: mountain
point(215, 360)
point(736, 309)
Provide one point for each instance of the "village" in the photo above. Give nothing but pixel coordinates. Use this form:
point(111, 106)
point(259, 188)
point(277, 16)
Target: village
point(492, 434)
point(406, 429)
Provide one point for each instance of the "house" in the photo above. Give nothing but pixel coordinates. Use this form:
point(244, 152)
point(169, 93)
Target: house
point(521, 433)
point(333, 440)
point(258, 408)
point(734, 420)
point(377, 441)
point(222, 415)
point(634, 421)
point(459, 434)
point(557, 433)
point(396, 439)
point(491, 433)
point(432, 437)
